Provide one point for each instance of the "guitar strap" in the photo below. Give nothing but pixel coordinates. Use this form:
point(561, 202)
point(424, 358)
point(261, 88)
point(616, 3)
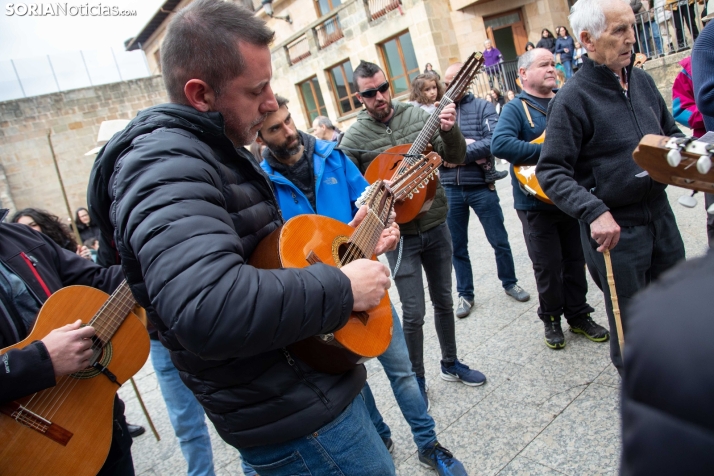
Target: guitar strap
point(528, 114)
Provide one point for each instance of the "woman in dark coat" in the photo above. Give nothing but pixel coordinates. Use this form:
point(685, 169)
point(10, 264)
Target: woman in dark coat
point(547, 41)
point(87, 229)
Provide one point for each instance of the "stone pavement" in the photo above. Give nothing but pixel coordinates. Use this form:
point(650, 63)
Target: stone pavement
point(542, 412)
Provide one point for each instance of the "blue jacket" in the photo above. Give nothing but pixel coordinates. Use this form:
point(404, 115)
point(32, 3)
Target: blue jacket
point(511, 142)
point(561, 43)
point(338, 183)
point(477, 120)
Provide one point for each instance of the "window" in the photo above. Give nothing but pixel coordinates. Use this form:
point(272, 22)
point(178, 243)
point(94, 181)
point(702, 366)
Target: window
point(311, 98)
point(341, 80)
point(324, 7)
point(399, 57)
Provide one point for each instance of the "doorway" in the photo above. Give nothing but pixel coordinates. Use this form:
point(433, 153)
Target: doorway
point(507, 32)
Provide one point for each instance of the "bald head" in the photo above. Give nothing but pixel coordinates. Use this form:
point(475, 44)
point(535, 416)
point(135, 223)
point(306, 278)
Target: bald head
point(450, 74)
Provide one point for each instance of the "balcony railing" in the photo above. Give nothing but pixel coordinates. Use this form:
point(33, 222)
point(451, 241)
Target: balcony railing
point(329, 32)
point(298, 50)
point(379, 8)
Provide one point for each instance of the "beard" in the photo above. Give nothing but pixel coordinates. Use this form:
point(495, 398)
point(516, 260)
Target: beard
point(284, 151)
point(380, 115)
point(239, 132)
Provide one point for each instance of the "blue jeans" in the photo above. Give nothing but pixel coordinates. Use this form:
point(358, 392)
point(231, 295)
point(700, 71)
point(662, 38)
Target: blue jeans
point(568, 67)
point(486, 204)
point(644, 35)
point(186, 414)
point(406, 390)
point(348, 445)
point(432, 251)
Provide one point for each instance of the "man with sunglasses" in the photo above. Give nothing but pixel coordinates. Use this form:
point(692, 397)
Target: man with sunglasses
point(426, 241)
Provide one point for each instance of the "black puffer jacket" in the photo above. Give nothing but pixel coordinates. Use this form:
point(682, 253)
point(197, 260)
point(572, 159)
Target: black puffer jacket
point(477, 119)
point(187, 210)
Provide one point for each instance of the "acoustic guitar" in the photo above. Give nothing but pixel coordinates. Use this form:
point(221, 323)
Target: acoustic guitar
point(393, 162)
point(525, 174)
point(309, 239)
point(67, 429)
point(682, 161)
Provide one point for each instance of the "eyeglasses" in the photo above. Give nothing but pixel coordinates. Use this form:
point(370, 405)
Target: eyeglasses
point(370, 93)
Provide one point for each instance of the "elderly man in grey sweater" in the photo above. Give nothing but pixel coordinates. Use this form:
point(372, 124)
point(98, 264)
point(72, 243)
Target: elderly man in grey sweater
point(586, 168)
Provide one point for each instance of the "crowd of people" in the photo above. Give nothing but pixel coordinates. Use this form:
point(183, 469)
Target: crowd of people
point(178, 205)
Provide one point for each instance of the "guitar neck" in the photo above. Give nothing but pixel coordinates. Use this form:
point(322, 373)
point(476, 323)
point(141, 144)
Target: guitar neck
point(111, 315)
point(363, 241)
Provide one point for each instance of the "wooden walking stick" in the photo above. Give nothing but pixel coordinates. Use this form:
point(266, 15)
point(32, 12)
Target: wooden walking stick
point(615, 305)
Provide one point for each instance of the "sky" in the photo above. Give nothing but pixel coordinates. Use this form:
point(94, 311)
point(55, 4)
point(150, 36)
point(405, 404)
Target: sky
point(27, 39)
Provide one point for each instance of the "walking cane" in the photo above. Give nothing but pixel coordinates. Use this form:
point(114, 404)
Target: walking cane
point(615, 305)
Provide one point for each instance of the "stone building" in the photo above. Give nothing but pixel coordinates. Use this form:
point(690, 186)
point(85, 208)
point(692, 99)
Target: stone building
point(315, 52)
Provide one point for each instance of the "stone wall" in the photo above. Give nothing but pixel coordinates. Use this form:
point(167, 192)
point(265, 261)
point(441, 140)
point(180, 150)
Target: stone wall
point(663, 71)
point(71, 119)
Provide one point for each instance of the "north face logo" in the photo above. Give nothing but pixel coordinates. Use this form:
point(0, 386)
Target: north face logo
point(330, 181)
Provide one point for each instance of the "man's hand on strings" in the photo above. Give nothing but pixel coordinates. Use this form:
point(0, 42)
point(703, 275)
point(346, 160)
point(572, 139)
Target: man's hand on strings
point(70, 348)
point(448, 117)
point(389, 237)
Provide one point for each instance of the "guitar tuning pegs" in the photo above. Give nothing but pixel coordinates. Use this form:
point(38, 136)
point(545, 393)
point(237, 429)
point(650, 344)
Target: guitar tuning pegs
point(674, 157)
point(421, 185)
point(411, 195)
point(704, 164)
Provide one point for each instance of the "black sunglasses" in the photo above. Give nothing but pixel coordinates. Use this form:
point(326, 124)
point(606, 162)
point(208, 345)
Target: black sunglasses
point(370, 93)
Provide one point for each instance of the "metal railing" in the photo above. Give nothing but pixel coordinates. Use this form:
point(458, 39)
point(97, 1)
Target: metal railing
point(379, 8)
point(298, 50)
point(501, 76)
point(328, 32)
point(667, 29)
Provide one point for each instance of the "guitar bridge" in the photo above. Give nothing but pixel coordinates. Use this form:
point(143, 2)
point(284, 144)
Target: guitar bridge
point(34, 421)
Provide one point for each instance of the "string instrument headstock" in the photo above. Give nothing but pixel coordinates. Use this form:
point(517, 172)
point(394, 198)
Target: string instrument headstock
point(682, 161)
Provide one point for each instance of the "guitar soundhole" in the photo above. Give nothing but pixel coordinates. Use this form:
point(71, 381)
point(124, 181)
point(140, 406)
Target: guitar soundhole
point(349, 252)
point(104, 358)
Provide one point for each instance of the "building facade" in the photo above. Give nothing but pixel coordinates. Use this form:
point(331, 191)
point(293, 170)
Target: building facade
point(317, 48)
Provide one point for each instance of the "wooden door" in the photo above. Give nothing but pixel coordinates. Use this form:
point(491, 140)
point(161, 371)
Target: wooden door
point(520, 37)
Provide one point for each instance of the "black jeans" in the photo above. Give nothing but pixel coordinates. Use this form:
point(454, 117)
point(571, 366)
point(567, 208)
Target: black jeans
point(685, 15)
point(432, 251)
point(643, 253)
point(553, 243)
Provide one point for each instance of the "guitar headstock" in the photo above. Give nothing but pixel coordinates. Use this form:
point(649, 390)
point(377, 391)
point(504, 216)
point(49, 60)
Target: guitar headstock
point(416, 176)
point(682, 161)
point(463, 79)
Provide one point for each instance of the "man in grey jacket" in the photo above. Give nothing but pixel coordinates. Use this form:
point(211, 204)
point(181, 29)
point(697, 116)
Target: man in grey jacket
point(586, 168)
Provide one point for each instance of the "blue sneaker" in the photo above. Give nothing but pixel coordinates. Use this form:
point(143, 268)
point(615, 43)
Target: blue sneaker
point(458, 372)
point(441, 460)
point(423, 388)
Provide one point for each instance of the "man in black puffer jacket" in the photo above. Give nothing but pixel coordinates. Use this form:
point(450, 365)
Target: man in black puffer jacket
point(595, 122)
point(186, 206)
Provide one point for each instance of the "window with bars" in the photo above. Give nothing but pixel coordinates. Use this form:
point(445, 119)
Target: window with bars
point(401, 62)
point(311, 98)
point(324, 7)
point(341, 80)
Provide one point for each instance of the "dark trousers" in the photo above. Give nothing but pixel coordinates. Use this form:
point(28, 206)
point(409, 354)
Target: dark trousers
point(643, 253)
point(432, 251)
point(553, 243)
point(684, 15)
point(119, 461)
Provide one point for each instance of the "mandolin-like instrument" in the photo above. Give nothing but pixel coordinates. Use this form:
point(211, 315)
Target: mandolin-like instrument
point(67, 429)
point(682, 161)
point(309, 239)
point(525, 174)
point(395, 161)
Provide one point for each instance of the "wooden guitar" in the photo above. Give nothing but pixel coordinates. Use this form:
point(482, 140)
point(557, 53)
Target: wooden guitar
point(309, 239)
point(394, 161)
point(681, 161)
point(525, 174)
point(67, 429)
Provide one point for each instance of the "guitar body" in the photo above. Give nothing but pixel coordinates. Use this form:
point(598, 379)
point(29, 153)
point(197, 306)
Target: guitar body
point(383, 167)
point(301, 241)
point(525, 174)
point(84, 410)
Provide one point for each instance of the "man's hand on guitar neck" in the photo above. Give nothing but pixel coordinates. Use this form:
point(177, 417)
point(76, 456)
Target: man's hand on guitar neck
point(70, 348)
point(447, 117)
point(370, 280)
point(390, 236)
point(605, 231)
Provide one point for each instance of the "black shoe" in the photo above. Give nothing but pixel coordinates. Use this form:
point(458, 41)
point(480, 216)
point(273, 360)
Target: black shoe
point(585, 325)
point(554, 337)
point(135, 430)
point(492, 175)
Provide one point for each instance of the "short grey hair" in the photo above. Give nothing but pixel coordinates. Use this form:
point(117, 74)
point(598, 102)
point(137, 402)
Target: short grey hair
point(526, 59)
point(588, 15)
point(324, 121)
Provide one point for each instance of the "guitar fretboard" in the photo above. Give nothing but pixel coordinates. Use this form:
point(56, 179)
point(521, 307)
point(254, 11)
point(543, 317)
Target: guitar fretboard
point(112, 313)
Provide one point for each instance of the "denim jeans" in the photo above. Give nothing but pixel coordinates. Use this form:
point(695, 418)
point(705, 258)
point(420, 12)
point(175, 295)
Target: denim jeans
point(348, 445)
point(432, 251)
point(568, 67)
point(644, 35)
point(186, 414)
point(643, 253)
point(486, 204)
point(406, 390)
